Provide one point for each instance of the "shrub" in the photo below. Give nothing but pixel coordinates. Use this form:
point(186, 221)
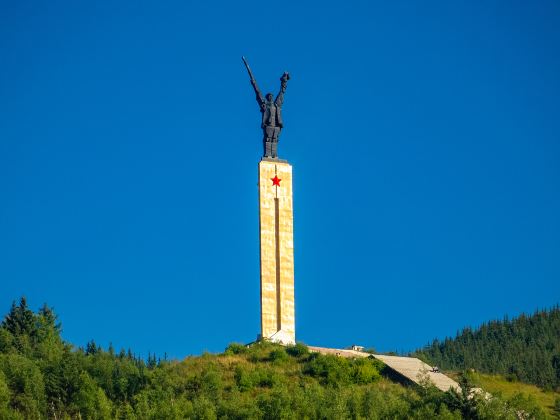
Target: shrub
point(243, 379)
point(297, 350)
point(364, 371)
point(260, 351)
point(278, 355)
point(264, 377)
point(556, 407)
point(203, 409)
point(332, 370)
point(236, 348)
point(526, 404)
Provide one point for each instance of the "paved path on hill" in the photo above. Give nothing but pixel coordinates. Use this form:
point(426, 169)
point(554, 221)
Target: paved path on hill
point(409, 367)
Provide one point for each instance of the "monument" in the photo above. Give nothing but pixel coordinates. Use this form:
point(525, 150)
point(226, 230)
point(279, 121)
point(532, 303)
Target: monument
point(275, 223)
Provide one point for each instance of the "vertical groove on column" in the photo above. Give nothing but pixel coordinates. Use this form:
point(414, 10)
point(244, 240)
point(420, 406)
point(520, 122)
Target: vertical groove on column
point(277, 243)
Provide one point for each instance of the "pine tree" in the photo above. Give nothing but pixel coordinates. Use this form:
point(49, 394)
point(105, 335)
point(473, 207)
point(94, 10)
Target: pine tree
point(20, 320)
point(525, 348)
point(91, 348)
point(49, 318)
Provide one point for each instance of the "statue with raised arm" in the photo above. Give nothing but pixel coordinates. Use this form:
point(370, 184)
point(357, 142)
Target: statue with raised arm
point(271, 111)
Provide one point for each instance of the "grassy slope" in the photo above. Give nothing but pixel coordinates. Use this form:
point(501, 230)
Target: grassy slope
point(498, 385)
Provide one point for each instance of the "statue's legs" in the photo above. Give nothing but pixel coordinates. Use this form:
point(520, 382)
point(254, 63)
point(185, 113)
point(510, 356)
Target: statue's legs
point(268, 132)
point(267, 148)
point(270, 141)
point(266, 141)
point(274, 141)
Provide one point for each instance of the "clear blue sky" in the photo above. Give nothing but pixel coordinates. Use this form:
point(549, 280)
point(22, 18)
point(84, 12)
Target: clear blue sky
point(424, 136)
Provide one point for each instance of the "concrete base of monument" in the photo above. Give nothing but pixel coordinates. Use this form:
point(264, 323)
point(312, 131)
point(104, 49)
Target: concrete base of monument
point(280, 337)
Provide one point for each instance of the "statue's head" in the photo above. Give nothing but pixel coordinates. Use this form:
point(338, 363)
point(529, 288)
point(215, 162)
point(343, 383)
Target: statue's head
point(269, 97)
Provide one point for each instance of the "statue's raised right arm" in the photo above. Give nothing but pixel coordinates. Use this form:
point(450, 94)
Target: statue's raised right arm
point(260, 97)
point(283, 83)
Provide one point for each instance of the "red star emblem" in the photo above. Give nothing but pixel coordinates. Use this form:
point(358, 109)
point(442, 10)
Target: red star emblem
point(276, 181)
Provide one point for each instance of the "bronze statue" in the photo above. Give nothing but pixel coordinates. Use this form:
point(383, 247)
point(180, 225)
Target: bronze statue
point(271, 111)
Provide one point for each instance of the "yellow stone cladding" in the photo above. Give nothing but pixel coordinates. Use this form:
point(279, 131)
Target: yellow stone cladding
point(277, 251)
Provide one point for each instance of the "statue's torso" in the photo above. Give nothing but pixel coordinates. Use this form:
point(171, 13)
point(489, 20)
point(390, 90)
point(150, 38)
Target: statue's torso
point(271, 115)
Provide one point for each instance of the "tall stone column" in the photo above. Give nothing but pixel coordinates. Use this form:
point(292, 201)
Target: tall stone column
point(277, 251)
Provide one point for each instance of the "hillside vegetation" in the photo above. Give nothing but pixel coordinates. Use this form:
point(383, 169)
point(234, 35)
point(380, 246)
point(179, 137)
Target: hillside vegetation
point(526, 348)
point(42, 376)
point(498, 385)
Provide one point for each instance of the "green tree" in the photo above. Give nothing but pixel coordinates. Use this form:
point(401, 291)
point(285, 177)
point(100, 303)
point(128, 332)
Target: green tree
point(204, 409)
point(26, 385)
point(6, 340)
point(90, 400)
point(276, 405)
point(4, 393)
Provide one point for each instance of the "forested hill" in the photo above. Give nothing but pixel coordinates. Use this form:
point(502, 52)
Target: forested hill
point(44, 377)
point(526, 348)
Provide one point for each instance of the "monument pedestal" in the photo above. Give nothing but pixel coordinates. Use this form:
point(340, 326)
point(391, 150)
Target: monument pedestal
point(277, 251)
